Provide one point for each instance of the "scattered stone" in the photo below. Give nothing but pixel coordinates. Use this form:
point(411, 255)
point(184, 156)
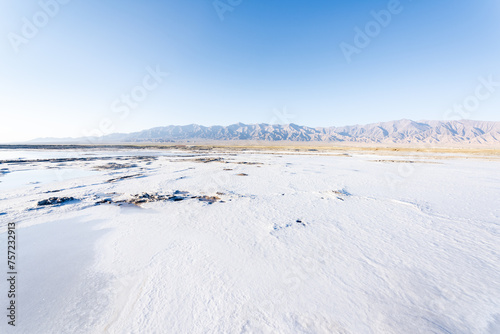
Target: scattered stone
point(246, 163)
point(300, 222)
point(277, 227)
point(145, 198)
point(146, 158)
point(123, 178)
point(208, 199)
point(341, 192)
point(105, 201)
point(55, 200)
point(114, 165)
point(53, 191)
point(176, 196)
point(206, 160)
point(178, 192)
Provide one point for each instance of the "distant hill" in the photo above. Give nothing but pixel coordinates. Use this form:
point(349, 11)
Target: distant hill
point(401, 131)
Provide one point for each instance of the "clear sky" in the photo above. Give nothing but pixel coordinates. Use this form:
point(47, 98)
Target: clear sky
point(80, 67)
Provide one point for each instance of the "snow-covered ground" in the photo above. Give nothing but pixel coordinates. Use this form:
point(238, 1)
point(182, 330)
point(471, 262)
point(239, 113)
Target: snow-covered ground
point(253, 243)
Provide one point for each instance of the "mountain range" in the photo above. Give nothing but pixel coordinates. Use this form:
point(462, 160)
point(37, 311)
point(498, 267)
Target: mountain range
point(397, 132)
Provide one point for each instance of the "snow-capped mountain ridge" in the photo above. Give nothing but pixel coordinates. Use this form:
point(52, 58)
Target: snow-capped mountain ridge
point(402, 131)
point(398, 132)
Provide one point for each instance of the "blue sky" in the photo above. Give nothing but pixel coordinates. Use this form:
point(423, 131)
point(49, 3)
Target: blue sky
point(85, 67)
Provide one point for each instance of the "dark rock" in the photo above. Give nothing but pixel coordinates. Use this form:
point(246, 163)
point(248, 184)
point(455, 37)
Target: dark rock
point(123, 178)
point(55, 200)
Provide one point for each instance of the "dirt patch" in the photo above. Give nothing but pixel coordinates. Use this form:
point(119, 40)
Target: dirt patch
point(208, 199)
point(338, 194)
point(341, 192)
